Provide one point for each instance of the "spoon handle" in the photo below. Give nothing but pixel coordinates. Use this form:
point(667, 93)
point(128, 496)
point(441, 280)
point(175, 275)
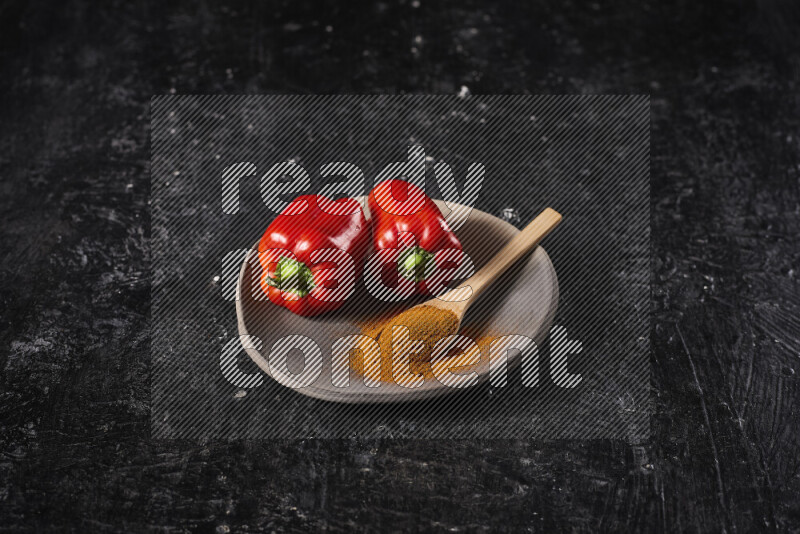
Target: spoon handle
point(515, 249)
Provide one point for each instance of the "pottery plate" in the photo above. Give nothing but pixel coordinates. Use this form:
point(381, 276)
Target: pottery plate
point(522, 301)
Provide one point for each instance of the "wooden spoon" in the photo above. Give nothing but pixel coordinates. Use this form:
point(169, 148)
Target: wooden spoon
point(427, 323)
point(459, 299)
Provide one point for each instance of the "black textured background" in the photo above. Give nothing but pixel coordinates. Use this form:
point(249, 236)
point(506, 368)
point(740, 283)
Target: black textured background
point(76, 80)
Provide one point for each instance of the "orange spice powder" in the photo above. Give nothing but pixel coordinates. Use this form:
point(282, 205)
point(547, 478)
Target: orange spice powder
point(425, 323)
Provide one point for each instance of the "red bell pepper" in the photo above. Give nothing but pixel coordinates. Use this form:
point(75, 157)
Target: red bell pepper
point(312, 254)
point(405, 218)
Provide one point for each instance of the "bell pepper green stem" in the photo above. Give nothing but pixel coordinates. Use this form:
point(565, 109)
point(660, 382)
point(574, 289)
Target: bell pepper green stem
point(292, 276)
point(415, 263)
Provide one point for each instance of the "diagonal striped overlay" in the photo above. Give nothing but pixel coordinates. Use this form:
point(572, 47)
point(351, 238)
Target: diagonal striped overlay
point(586, 156)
